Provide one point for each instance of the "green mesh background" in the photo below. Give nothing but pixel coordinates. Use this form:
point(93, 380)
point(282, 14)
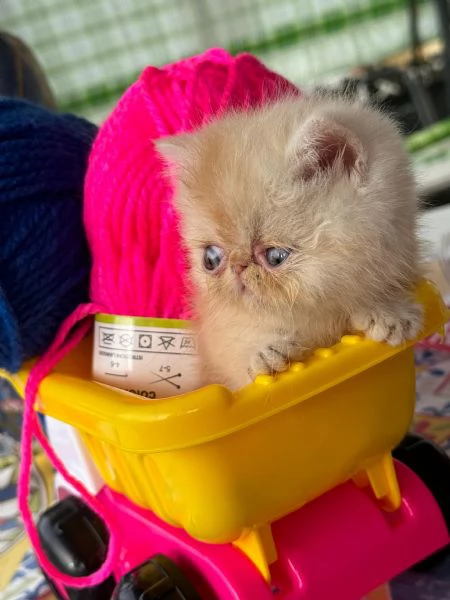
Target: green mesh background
point(93, 49)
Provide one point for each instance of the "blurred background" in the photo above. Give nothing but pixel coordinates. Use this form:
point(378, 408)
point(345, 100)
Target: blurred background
point(396, 52)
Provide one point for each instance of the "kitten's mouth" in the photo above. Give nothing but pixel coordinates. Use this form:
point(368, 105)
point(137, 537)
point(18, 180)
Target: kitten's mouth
point(240, 286)
point(243, 291)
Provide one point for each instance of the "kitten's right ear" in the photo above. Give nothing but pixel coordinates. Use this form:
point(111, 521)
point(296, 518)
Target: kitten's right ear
point(321, 146)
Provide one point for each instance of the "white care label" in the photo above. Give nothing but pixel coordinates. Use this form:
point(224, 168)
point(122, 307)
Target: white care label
point(154, 358)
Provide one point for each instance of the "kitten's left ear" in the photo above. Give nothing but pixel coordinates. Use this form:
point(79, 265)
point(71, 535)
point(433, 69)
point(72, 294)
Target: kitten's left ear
point(322, 145)
point(175, 149)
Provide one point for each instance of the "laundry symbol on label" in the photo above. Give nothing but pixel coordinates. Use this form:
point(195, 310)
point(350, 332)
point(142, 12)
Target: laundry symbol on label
point(188, 343)
point(145, 340)
point(107, 338)
point(167, 341)
point(126, 340)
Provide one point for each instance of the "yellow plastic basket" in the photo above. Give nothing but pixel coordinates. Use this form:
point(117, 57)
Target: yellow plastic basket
point(222, 464)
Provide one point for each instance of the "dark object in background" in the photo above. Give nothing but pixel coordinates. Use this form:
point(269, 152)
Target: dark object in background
point(418, 94)
point(21, 75)
point(443, 14)
point(415, 96)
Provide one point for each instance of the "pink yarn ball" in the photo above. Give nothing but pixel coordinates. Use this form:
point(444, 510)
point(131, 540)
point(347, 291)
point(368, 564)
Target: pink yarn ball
point(139, 266)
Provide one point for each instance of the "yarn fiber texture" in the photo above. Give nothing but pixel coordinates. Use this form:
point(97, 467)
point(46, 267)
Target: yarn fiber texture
point(139, 265)
point(44, 258)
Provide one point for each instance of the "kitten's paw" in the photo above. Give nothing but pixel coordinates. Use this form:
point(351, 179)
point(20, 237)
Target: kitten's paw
point(273, 359)
point(391, 325)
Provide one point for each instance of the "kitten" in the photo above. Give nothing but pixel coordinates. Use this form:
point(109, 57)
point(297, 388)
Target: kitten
point(300, 222)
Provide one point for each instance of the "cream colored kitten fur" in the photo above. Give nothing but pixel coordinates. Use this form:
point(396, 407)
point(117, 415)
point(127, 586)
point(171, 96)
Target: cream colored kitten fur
point(300, 221)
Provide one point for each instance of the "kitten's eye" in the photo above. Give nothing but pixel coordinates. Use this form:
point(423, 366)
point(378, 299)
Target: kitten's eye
point(212, 257)
point(276, 256)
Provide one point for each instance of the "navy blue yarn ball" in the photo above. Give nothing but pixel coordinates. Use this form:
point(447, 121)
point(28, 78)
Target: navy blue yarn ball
point(44, 257)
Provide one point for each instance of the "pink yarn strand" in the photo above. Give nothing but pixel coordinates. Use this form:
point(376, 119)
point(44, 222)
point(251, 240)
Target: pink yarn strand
point(69, 335)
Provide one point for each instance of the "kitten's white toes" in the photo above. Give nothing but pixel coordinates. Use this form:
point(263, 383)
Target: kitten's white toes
point(391, 326)
point(269, 361)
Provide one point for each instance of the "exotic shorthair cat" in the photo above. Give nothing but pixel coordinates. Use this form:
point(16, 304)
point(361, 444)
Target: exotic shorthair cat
point(300, 222)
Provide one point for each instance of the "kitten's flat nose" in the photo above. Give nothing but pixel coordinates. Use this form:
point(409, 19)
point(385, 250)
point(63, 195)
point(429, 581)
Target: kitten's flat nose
point(238, 269)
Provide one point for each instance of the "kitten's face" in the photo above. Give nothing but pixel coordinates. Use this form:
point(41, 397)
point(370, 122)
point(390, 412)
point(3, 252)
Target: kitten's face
point(276, 209)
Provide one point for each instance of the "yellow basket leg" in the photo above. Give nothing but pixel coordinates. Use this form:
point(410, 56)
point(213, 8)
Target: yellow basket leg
point(259, 546)
point(383, 481)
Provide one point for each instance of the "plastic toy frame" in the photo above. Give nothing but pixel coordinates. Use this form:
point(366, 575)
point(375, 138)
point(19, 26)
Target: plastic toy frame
point(286, 489)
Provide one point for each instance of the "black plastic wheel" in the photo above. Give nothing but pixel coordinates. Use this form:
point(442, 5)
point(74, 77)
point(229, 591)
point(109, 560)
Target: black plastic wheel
point(432, 464)
point(75, 540)
point(157, 579)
